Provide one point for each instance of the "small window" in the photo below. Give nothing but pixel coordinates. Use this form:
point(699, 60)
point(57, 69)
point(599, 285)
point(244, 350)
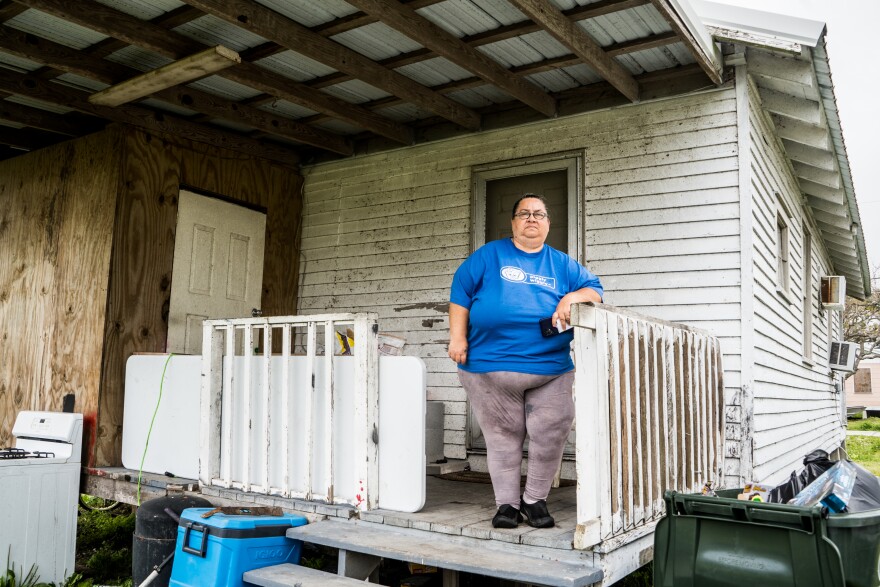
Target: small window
point(807, 298)
point(782, 261)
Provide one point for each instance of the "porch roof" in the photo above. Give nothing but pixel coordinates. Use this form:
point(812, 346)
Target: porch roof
point(333, 77)
point(788, 62)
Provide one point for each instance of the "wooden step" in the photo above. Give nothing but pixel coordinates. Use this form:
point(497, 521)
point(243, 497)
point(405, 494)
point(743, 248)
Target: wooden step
point(534, 565)
point(288, 575)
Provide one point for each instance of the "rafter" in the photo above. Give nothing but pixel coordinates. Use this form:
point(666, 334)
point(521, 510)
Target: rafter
point(405, 20)
point(499, 34)
point(28, 139)
point(567, 32)
point(651, 42)
point(269, 24)
point(71, 124)
point(40, 89)
point(144, 34)
point(67, 59)
point(710, 67)
point(359, 19)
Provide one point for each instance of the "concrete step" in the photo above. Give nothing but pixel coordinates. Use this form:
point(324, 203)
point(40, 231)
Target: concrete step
point(532, 565)
point(288, 575)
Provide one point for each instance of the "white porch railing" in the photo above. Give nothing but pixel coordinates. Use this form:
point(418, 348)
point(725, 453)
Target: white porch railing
point(649, 400)
point(272, 422)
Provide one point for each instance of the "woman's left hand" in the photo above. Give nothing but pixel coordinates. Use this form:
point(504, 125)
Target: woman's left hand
point(563, 308)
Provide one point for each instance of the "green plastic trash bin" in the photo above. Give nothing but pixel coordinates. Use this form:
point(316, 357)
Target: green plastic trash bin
point(724, 542)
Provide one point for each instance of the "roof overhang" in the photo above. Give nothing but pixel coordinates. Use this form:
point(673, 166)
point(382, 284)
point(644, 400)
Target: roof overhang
point(787, 59)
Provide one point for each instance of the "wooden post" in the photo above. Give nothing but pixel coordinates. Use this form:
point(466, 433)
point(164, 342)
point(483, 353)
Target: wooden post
point(210, 402)
point(366, 352)
point(587, 444)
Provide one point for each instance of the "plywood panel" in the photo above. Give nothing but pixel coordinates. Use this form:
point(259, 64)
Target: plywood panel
point(153, 171)
point(56, 217)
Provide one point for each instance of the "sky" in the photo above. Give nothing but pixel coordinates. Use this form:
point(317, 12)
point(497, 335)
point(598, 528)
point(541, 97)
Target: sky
point(852, 28)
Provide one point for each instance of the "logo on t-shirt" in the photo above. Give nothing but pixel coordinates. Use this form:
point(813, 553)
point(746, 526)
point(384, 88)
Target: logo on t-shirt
point(517, 275)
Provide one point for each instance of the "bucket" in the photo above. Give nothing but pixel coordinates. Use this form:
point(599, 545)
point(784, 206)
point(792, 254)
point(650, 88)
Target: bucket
point(155, 535)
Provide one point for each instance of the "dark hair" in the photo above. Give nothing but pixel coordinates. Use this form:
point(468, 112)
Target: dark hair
point(529, 195)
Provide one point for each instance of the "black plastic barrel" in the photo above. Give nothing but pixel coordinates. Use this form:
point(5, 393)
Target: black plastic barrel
point(155, 535)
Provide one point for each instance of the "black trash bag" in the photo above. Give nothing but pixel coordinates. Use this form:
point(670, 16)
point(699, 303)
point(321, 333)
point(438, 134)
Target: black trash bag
point(815, 463)
point(866, 491)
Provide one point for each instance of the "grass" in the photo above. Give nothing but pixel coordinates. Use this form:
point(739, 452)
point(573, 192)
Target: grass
point(866, 425)
point(103, 547)
point(865, 450)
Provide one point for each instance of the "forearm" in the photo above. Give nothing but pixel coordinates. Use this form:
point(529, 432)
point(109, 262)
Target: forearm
point(458, 325)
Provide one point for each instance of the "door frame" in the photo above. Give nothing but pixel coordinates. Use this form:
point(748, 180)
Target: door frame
point(573, 163)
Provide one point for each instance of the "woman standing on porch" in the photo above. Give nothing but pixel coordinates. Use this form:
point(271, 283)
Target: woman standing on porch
point(517, 378)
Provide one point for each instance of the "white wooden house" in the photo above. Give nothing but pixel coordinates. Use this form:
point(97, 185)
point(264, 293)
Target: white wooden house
point(705, 180)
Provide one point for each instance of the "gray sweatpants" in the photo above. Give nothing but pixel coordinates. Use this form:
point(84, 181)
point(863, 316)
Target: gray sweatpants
point(508, 406)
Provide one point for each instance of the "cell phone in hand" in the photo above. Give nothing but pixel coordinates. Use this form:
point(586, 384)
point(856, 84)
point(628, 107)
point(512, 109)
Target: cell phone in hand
point(548, 329)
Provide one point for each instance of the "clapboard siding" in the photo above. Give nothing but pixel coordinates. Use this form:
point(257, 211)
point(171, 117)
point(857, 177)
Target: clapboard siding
point(796, 408)
point(385, 232)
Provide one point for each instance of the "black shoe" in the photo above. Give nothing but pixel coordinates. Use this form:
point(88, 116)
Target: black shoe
point(536, 514)
point(507, 517)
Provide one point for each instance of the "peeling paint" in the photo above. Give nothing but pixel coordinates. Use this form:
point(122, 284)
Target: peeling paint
point(442, 307)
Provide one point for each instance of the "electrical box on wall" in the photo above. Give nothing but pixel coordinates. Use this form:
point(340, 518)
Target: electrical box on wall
point(833, 292)
point(843, 356)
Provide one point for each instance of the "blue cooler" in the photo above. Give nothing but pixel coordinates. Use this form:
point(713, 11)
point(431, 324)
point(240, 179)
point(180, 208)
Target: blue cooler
point(234, 544)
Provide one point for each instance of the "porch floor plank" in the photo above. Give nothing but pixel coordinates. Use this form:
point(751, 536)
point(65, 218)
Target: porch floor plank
point(457, 553)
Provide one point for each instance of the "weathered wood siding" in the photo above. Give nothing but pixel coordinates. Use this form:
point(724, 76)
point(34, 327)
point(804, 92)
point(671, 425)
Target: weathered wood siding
point(386, 232)
point(56, 227)
point(796, 408)
point(153, 170)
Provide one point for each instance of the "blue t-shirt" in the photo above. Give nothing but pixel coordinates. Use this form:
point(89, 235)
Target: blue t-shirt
point(508, 291)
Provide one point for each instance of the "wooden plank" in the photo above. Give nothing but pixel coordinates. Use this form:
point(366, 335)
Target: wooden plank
point(288, 575)
point(448, 552)
point(182, 71)
point(580, 43)
point(288, 33)
point(423, 31)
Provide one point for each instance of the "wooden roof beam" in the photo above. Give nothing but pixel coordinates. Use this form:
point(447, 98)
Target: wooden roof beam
point(405, 20)
point(40, 89)
point(801, 132)
point(269, 24)
point(72, 124)
point(507, 32)
point(817, 190)
point(706, 62)
point(147, 35)
point(810, 155)
point(830, 179)
point(359, 19)
point(67, 59)
point(581, 44)
point(28, 139)
point(801, 109)
point(528, 69)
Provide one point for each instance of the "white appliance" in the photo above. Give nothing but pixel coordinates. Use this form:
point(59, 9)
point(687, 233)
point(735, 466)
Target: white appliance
point(39, 489)
point(842, 356)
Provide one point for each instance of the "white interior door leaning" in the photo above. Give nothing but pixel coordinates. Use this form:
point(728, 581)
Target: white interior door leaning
point(218, 267)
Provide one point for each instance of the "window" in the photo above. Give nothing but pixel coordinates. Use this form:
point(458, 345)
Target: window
point(783, 270)
point(862, 383)
point(807, 297)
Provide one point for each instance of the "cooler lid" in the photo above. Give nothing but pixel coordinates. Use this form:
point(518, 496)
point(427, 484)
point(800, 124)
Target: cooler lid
point(240, 522)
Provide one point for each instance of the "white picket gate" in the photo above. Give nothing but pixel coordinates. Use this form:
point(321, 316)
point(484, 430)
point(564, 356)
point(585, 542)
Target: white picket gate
point(270, 422)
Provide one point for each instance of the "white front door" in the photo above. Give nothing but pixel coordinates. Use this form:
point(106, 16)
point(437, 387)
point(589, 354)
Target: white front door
point(218, 267)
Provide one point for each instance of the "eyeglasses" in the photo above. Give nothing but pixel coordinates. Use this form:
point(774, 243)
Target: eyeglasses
point(525, 215)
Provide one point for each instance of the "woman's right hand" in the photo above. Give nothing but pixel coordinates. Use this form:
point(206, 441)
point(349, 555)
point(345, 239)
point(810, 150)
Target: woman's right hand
point(458, 348)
